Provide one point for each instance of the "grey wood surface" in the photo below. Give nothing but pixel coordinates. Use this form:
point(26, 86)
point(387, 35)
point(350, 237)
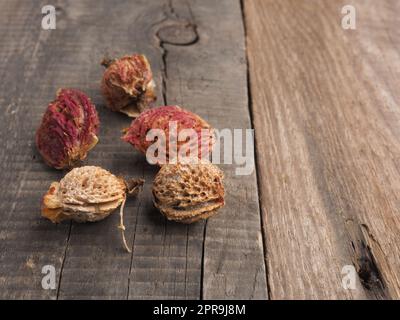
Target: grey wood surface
point(197, 52)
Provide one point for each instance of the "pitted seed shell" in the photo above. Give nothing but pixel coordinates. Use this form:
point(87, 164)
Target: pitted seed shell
point(89, 194)
point(188, 192)
point(85, 194)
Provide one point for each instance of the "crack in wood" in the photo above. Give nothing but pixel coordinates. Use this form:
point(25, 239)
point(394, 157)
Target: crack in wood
point(174, 30)
point(365, 261)
point(63, 261)
point(202, 261)
point(133, 244)
point(256, 155)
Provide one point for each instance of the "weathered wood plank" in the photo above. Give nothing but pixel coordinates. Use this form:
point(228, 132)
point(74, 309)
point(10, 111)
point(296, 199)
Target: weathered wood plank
point(27, 243)
point(168, 260)
point(95, 265)
point(325, 108)
point(210, 77)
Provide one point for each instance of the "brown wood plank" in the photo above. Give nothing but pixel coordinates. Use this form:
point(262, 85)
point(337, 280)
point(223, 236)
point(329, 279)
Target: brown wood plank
point(325, 103)
point(221, 259)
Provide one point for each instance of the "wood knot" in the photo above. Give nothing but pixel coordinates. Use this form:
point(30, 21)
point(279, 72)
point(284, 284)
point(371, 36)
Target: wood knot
point(179, 34)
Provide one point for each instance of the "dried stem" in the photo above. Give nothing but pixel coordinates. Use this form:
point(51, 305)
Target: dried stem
point(106, 62)
point(133, 186)
point(122, 227)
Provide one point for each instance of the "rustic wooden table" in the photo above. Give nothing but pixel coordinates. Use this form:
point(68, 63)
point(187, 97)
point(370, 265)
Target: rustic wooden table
point(324, 103)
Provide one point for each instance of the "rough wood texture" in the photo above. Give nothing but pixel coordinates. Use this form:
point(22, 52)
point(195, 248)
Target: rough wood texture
point(198, 59)
point(210, 76)
point(325, 104)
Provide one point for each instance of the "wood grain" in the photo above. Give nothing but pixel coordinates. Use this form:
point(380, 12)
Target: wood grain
point(187, 44)
point(325, 104)
point(210, 76)
point(27, 242)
